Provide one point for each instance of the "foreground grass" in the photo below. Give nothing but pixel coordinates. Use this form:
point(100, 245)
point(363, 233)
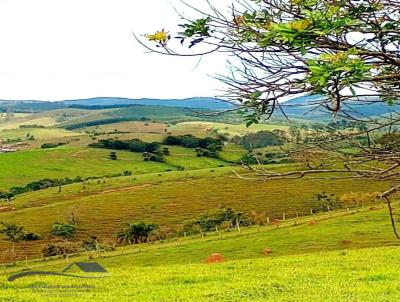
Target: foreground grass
point(334, 276)
point(319, 262)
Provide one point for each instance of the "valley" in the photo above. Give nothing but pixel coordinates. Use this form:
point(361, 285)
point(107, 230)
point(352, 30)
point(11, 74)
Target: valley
point(100, 169)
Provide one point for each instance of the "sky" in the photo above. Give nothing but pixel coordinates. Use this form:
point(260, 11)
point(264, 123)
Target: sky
point(68, 49)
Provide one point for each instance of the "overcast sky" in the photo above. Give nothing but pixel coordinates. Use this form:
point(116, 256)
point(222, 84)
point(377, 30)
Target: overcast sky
point(66, 49)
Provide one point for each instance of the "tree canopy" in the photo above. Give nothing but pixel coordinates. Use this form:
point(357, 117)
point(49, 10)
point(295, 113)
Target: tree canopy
point(344, 51)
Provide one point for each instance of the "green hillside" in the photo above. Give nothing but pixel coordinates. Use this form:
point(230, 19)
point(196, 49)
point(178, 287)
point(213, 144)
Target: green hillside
point(103, 207)
point(300, 268)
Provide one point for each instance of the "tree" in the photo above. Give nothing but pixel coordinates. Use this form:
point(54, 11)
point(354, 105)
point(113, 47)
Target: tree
point(136, 233)
point(113, 156)
point(343, 53)
point(64, 230)
point(15, 234)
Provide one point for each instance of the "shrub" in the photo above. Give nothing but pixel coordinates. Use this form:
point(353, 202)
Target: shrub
point(94, 244)
point(64, 230)
point(61, 248)
point(32, 236)
point(48, 146)
point(136, 233)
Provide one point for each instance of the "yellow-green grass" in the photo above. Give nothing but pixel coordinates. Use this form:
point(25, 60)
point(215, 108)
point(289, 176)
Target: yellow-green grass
point(20, 168)
point(224, 128)
point(187, 159)
point(47, 118)
point(328, 277)
point(135, 127)
point(71, 160)
point(232, 153)
point(103, 211)
point(15, 123)
point(145, 131)
point(38, 133)
point(5, 117)
point(320, 262)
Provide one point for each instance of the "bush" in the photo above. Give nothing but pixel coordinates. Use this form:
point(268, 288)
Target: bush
point(258, 140)
point(48, 146)
point(64, 230)
point(94, 244)
point(32, 236)
point(61, 248)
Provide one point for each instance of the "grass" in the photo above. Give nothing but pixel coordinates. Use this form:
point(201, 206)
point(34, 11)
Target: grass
point(38, 133)
point(227, 129)
point(70, 162)
point(47, 118)
point(76, 160)
point(186, 158)
point(232, 153)
point(319, 277)
point(169, 199)
point(327, 261)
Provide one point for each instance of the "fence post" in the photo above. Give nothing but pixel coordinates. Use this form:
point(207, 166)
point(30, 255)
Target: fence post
point(238, 225)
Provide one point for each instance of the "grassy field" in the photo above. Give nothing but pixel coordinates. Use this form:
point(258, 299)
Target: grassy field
point(169, 199)
point(232, 153)
point(321, 262)
point(318, 277)
point(38, 133)
point(343, 255)
point(76, 160)
point(187, 159)
point(47, 118)
point(223, 128)
point(65, 162)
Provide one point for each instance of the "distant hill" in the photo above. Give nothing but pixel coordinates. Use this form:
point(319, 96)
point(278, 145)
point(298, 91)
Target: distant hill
point(307, 108)
point(30, 106)
point(164, 114)
point(111, 102)
point(195, 102)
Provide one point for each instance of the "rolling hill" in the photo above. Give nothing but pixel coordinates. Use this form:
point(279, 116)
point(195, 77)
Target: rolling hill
point(307, 107)
point(195, 102)
point(112, 102)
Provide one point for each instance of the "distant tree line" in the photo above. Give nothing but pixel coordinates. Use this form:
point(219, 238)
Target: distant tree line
point(150, 151)
point(52, 145)
point(31, 126)
point(104, 122)
point(51, 183)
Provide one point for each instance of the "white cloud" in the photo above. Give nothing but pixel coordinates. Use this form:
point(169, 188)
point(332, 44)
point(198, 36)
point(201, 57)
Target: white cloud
point(63, 49)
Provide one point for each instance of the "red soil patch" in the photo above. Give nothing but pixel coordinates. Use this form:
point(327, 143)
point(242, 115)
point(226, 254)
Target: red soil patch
point(267, 251)
point(7, 209)
point(215, 258)
point(275, 222)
